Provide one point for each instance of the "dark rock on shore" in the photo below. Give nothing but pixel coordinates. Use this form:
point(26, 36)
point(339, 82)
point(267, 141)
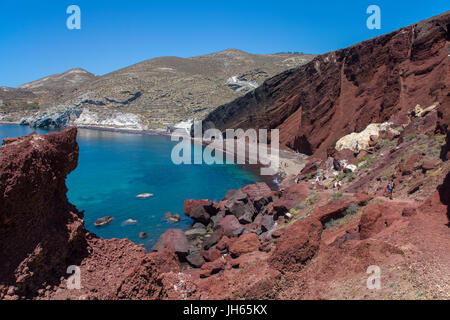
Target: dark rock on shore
point(195, 259)
point(211, 254)
point(175, 240)
point(199, 210)
point(231, 226)
point(213, 239)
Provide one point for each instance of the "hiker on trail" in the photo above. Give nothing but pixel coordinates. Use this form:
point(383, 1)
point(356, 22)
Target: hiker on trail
point(337, 185)
point(390, 188)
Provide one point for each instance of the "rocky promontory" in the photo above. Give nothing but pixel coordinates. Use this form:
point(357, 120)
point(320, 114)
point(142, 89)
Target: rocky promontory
point(42, 234)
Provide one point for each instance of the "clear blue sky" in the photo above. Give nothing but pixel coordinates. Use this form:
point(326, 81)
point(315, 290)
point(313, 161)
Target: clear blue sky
point(34, 40)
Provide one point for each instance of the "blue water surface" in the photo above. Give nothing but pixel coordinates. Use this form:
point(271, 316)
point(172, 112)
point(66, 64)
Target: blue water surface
point(115, 167)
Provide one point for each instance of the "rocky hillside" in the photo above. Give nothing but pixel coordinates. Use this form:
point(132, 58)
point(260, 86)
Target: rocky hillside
point(28, 99)
point(342, 92)
point(58, 84)
point(20, 101)
point(45, 90)
point(301, 242)
point(162, 91)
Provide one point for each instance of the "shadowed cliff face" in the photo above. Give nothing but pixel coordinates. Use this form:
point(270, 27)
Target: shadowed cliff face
point(344, 91)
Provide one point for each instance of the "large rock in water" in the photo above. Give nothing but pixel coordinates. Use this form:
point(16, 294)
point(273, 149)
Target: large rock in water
point(346, 90)
point(41, 233)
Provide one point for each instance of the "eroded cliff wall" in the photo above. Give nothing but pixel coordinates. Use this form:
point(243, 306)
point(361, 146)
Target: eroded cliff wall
point(344, 91)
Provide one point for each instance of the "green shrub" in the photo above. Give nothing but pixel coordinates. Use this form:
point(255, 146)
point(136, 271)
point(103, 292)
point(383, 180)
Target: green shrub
point(351, 177)
point(409, 137)
point(337, 195)
point(386, 143)
point(311, 199)
point(340, 176)
point(357, 162)
point(352, 209)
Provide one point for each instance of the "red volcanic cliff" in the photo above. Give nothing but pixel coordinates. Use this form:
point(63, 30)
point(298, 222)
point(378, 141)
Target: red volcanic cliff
point(41, 233)
point(343, 91)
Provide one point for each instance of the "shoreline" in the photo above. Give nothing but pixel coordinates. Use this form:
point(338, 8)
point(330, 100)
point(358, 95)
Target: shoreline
point(290, 162)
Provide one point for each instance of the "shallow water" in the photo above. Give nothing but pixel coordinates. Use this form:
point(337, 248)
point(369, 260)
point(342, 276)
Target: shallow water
point(115, 167)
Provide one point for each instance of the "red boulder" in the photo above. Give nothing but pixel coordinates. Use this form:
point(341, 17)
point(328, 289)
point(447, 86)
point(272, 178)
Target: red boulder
point(244, 244)
point(297, 244)
point(231, 226)
point(175, 240)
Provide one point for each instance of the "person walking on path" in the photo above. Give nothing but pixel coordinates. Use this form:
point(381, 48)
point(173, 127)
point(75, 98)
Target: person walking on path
point(390, 188)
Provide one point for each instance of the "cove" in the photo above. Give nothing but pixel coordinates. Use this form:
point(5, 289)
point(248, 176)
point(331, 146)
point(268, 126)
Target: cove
point(115, 167)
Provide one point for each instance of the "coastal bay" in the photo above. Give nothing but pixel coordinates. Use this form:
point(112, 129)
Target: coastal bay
point(114, 167)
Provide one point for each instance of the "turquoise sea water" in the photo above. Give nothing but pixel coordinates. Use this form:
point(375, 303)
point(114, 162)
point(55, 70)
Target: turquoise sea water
point(114, 167)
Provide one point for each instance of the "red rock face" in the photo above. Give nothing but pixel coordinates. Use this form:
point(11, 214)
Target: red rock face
point(142, 282)
point(344, 91)
point(174, 240)
point(336, 209)
point(297, 245)
point(377, 217)
point(245, 244)
point(40, 231)
point(291, 196)
point(41, 234)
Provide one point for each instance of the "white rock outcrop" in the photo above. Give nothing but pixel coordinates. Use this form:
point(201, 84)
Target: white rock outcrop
point(184, 125)
point(238, 85)
point(358, 141)
point(115, 120)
